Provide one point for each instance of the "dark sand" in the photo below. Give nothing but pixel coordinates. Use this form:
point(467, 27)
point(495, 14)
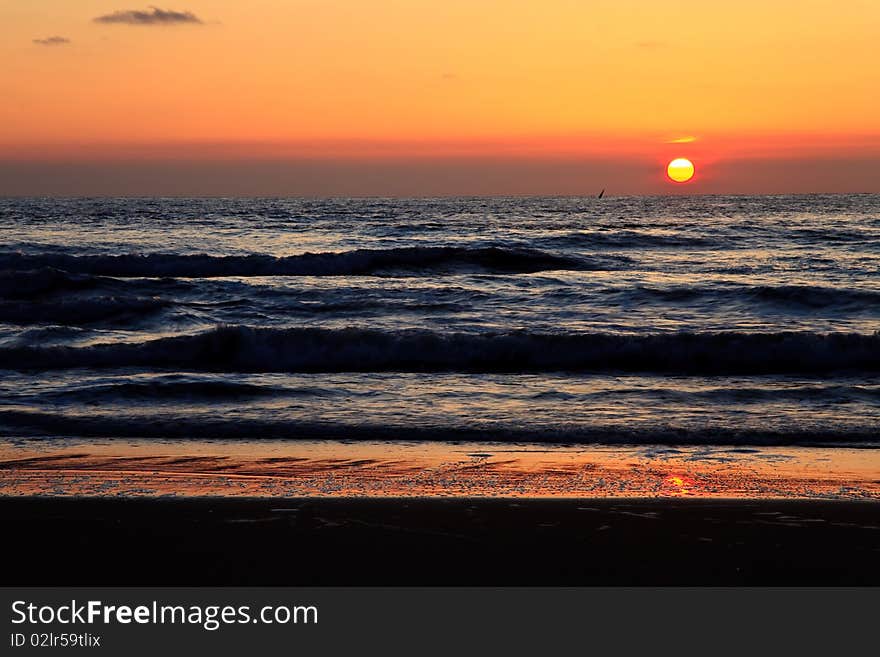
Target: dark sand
point(77, 541)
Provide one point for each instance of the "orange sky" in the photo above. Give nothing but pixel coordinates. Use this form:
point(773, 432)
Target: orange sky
point(452, 96)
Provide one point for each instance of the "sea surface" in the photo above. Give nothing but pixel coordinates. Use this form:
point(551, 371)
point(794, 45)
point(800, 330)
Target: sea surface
point(677, 321)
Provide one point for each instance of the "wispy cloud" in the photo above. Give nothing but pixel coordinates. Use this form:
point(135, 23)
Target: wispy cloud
point(682, 140)
point(52, 41)
point(150, 16)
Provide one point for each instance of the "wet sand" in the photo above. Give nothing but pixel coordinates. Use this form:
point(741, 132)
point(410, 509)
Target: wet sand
point(341, 513)
point(312, 469)
point(417, 541)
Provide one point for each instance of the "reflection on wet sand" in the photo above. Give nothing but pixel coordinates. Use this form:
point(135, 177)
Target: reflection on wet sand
point(382, 469)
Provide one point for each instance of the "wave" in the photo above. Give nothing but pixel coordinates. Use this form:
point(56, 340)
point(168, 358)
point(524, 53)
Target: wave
point(34, 423)
point(31, 283)
point(629, 239)
point(722, 396)
point(176, 391)
point(46, 336)
point(814, 296)
point(789, 296)
point(185, 388)
point(82, 311)
point(247, 349)
point(47, 282)
point(359, 262)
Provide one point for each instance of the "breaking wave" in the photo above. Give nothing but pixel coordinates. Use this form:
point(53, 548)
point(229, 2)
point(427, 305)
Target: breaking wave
point(48, 424)
point(359, 262)
point(247, 349)
point(82, 311)
point(794, 297)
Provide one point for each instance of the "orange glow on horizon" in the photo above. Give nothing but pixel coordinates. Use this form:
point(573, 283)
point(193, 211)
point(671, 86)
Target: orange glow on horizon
point(552, 81)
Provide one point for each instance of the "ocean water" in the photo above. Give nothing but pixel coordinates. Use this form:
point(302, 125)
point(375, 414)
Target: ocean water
point(639, 321)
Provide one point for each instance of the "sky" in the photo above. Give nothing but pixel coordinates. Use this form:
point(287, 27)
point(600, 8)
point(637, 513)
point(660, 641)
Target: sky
point(431, 97)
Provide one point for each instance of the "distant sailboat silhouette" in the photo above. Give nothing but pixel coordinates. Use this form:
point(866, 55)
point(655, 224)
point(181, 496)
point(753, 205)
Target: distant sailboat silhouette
point(602, 193)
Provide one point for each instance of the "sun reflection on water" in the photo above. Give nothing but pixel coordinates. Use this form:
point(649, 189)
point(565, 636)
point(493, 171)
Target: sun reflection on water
point(680, 484)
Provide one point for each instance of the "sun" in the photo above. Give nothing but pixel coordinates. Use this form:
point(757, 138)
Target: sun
point(680, 170)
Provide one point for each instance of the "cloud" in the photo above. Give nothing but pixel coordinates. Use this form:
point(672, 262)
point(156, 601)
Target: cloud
point(52, 41)
point(150, 16)
point(687, 139)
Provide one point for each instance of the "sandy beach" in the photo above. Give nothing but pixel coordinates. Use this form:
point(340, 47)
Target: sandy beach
point(342, 513)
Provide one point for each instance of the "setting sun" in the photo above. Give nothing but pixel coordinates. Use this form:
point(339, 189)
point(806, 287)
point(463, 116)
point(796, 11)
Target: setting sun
point(680, 170)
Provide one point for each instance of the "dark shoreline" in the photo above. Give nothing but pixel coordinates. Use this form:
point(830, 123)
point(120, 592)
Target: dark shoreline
point(436, 541)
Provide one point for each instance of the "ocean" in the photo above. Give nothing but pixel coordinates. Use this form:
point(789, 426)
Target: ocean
point(657, 324)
